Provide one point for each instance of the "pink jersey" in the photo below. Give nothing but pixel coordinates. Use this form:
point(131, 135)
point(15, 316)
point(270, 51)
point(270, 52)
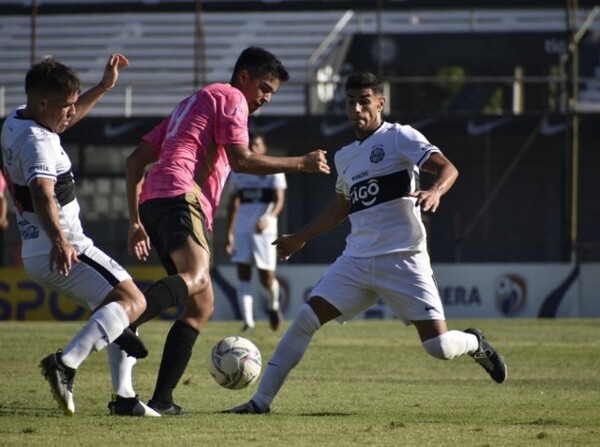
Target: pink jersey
point(2, 182)
point(190, 144)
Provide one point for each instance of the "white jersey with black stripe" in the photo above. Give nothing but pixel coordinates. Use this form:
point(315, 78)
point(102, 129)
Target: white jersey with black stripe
point(31, 150)
point(256, 193)
point(376, 175)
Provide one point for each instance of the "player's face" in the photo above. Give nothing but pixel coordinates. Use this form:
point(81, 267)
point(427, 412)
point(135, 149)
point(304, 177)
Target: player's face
point(258, 146)
point(363, 108)
point(258, 91)
point(56, 111)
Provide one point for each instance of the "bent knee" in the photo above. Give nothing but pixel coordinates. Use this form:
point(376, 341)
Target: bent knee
point(197, 283)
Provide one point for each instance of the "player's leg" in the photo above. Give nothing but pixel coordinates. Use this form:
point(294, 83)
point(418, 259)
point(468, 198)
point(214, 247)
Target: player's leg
point(406, 281)
point(271, 285)
point(341, 294)
point(242, 258)
point(125, 401)
point(265, 258)
point(192, 260)
point(96, 282)
point(244, 295)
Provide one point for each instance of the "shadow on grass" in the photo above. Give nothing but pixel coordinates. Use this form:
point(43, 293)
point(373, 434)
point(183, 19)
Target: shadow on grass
point(325, 413)
point(8, 410)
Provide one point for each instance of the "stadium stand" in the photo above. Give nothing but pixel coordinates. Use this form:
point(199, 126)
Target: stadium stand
point(166, 64)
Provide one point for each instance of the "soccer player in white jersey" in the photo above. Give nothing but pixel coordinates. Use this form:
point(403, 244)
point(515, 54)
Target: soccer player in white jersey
point(254, 204)
point(56, 253)
point(386, 252)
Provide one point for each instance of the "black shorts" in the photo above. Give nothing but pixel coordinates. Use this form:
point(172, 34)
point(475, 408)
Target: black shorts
point(170, 221)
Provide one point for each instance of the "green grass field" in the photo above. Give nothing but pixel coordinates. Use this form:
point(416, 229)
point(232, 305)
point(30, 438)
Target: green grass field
point(365, 384)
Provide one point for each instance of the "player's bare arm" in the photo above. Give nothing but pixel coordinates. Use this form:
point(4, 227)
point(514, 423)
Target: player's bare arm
point(446, 174)
point(62, 254)
point(242, 159)
point(88, 100)
point(273, 211)
point(232, 209)
point(3, 211)
point(331, 216)
point(138, 242)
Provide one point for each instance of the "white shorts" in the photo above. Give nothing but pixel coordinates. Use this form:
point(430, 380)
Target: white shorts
point(404, 280)
point(89, 281)
point(255, 248)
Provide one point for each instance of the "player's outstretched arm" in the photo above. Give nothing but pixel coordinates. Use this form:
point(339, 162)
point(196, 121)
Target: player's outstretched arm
point(242, 159)
point(88, 100)
point(331, 216)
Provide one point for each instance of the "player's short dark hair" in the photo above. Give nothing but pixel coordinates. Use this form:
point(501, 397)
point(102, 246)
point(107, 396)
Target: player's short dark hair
point(259, 62)
point(364, 79)
point(50, 76)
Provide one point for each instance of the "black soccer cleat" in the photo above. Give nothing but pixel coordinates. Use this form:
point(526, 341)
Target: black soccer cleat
point(488, 357)
point(60, 377)
point(246, 328)
point(249, 407)
point(132, 344)
point(166, 409)
point(275, 319)
point(130, 406)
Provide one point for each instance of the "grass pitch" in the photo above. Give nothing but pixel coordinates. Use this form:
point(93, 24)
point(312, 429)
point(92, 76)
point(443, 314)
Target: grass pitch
point(368, 383)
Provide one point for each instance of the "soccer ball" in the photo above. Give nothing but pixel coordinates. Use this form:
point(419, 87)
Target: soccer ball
point(235, 363)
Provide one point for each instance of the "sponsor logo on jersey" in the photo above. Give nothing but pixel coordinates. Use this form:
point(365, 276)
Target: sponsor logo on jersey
point(28, 231)
point(377, 154)
point(254, 195)
point(38, 168)
point(376, 190)
point(360, 175)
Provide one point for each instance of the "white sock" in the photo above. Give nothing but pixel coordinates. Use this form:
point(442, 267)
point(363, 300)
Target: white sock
point(288, 353)
point(273, 293)
point(121, 371)
point(245, 299)
point(451, 344)
point(103, 327)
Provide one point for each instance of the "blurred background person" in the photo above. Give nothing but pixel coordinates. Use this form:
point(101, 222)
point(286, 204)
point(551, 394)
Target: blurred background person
point(252, 214)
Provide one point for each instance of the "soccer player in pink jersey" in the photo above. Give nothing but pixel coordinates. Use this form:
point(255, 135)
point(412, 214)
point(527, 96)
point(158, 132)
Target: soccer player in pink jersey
point(3, 204)
point(172, 208)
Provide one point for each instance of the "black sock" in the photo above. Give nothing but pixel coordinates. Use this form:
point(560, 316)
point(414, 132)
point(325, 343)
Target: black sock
point(161, 295)
point(176, 356)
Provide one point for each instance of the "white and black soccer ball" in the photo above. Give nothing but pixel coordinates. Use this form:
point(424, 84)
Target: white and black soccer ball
point(235, 363)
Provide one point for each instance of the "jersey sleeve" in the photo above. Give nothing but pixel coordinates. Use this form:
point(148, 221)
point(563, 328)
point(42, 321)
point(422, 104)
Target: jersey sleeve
point(341, 187)
point(279, 181)
point(36, 161)
point(413, 146)
point(231, 120)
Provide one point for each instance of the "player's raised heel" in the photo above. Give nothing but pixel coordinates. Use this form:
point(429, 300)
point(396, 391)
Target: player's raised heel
point(60, 377)
point(488, 357)
point(132, 344)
